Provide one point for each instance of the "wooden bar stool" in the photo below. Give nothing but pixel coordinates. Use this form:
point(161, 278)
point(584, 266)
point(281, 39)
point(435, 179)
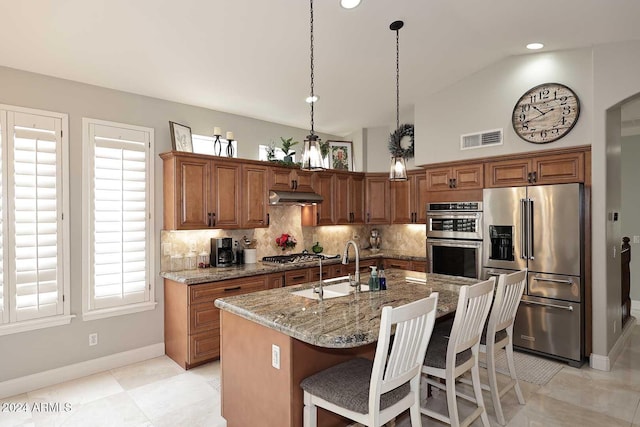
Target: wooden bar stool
point(374, 392)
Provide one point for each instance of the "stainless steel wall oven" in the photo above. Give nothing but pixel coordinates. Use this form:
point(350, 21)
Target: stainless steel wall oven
point(454, 238)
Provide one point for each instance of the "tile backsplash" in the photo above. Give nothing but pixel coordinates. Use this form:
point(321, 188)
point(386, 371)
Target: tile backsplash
point(409, 238)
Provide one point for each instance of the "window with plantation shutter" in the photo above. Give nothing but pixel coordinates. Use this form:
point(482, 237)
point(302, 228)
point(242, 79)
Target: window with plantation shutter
point(4, 310)
point(34, 243)
point(118, 200)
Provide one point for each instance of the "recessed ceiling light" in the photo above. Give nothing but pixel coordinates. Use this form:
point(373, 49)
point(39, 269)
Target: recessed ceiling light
point(535, 46)
point(311, 99)
point(349, 4)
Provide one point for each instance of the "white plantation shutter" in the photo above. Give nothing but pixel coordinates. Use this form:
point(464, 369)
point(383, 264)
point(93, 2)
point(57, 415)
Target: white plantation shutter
point(120, 241)
point(4, 310)
point(35, 194)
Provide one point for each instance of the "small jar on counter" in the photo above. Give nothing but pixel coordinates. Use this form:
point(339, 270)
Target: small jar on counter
point(177, 262)
point(190, 261)
point(203, 259)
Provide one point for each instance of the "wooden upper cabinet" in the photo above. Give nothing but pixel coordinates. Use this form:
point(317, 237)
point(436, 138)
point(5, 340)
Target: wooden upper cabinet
point(323, 184)
point(401, 206)
point(187, 202)
point(559, 168)
point(226, 195)
point(377, 210)
point(463, 177)
point(201, 192)
point(549, 169)
point(288, 179)
point(255, 200)
point(357, 198)
point(341, 208)
point(409, 199)
point(348, 198)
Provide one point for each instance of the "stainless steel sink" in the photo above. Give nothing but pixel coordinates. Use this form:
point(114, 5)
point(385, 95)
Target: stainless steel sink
point(331, 288)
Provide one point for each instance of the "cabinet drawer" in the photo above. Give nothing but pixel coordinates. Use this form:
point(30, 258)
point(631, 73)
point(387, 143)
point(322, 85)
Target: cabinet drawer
point(203, 317)
point(204, 346)
point(338, 270)
point(314, 274)
point(226, 288)
point(397, 263)
point(296, 277)
point(420, 266)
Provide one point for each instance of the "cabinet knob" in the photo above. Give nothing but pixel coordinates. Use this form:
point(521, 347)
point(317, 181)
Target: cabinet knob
point(268, 219)
point(534, 176)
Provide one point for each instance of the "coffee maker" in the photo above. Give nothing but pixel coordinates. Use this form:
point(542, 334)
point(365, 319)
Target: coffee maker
point(221, 252)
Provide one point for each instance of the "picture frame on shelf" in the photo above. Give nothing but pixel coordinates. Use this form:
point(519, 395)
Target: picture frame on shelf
point(341, 155)
point(181, 137)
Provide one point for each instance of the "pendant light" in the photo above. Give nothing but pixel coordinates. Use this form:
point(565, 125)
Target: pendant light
point(398, 169)
point(311, 155)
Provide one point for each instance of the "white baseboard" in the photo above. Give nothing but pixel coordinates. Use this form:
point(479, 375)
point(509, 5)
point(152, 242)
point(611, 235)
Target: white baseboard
point(635, 309)
point(55, 376)
point(604, 363)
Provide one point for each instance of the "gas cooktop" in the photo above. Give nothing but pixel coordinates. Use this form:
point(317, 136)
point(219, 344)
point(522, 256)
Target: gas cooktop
point(299, 257)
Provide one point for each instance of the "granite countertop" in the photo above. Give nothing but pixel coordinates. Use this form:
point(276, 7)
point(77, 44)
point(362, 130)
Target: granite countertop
point(343, 322)
point(204, 275)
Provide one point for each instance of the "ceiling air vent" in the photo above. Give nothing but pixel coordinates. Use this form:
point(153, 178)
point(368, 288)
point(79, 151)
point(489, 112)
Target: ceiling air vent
point(481, 139)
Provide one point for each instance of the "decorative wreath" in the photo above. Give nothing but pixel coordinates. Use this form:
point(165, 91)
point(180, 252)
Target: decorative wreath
point(394, 142)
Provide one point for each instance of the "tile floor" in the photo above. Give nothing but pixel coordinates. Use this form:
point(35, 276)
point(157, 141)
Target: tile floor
point(159, 393)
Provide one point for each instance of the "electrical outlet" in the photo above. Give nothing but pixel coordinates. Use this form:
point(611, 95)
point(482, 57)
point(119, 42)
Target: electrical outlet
point(275, 356)
point(166, 249)
point(615, 326)
point(93, 339)
point(636, 239)
point(314, 238)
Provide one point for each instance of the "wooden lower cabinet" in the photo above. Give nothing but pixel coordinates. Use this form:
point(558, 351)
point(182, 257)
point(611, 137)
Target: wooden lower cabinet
point(404, 264)
point(192, 321)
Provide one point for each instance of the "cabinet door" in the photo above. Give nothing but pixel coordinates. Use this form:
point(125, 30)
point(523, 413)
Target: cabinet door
point(280, 179)
point(401, 206)
point(377, 199)
point(296, 277)
point(254, 196)
point(323, 184)
point(226, 195)
point(468, 177)
point(559, 168)
point(439, 179)
point(356, 198)
point(507, 173)
point(303, 180)
point(193, 185)
point(341, 206)
point(420, 189)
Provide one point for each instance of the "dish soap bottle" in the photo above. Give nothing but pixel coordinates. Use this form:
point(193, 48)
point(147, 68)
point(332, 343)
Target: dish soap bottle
point(382, 279)
point(374, 284)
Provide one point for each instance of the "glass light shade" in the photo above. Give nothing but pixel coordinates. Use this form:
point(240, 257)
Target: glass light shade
point(349, 4)
point(398, 170)
point(311, 156)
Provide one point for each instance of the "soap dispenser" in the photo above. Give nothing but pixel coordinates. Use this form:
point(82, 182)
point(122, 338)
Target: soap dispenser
point(374, 285)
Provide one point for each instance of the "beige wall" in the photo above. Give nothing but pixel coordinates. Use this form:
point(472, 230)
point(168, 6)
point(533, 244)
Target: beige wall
point(630, 212)
point(45, 349)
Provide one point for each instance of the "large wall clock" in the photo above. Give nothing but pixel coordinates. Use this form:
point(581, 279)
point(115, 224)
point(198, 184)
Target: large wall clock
point(545, 113)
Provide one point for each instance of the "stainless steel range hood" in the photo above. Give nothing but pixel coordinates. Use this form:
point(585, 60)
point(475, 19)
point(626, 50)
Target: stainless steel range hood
point(294, 198)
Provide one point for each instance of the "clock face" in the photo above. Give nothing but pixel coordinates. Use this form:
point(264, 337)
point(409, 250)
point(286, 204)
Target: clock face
point(545, 113)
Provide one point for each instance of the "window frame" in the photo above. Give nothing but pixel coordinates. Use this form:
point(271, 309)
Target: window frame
point(89, 313)
point(7, 326)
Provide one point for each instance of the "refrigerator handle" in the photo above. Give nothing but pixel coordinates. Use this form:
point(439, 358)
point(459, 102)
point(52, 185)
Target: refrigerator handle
point(530, 248)
point(523, 228)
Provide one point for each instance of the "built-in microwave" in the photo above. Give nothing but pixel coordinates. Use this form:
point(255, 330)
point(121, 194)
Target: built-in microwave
point(459, 220)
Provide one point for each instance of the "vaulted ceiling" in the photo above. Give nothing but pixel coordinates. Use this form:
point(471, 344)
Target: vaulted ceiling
point(251, 57)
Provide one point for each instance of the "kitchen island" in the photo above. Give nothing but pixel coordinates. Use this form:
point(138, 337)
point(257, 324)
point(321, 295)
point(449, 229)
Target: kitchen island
point(271, 340)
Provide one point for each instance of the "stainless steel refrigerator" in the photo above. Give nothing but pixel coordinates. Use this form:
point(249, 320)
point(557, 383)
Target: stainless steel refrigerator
point(541, 228)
